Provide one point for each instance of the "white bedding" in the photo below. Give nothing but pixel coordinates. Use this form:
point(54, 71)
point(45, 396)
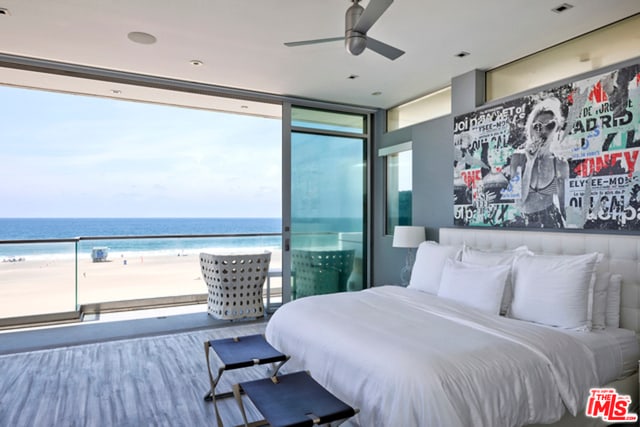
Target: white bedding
point(616, 351)
point(408, 358)
point(627, 341)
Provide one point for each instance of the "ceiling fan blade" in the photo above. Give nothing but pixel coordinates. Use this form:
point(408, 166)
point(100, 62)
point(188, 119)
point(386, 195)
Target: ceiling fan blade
point(384, 49)
point(316, 41)
point(371, 14)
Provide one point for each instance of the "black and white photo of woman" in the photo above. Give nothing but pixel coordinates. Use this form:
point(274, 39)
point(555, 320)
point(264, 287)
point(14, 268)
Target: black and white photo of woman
point(542, 173)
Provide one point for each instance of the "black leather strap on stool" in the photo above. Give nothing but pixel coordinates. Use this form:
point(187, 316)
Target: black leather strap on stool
point(293, 400)
point(245, 351)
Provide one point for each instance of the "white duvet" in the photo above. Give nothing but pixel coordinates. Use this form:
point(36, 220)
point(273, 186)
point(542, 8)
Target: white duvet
point(407, 358)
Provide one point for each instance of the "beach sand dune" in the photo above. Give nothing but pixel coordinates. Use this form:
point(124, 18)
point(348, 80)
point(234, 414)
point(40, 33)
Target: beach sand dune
point(43, 287)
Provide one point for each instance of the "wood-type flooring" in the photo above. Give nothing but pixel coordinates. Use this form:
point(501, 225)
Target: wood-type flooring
point(151, 381)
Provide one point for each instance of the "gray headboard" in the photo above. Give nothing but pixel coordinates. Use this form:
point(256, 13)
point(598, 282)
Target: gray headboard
point(621, 255)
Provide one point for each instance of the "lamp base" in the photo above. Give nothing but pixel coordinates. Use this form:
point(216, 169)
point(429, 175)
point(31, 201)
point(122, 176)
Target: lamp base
point(405, 273)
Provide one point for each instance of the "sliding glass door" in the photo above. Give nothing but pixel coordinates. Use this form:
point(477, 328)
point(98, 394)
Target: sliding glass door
point(328, 198)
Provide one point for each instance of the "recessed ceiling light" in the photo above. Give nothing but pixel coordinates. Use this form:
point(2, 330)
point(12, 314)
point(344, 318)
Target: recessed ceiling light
point(142, 38)
point(462, 54)
point(376, 93)
point(244, 106)
point(116, 91)
point(584, 57)
point(196, 62)
point(562, 8)
point(4, 11)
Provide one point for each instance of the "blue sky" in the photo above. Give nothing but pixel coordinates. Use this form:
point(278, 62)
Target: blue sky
point(76, 156)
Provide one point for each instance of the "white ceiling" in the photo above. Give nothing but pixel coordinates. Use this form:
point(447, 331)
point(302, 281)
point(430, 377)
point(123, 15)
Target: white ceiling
point(240, 42)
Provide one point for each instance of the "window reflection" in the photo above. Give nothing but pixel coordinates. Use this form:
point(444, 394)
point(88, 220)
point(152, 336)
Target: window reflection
point(399, 189)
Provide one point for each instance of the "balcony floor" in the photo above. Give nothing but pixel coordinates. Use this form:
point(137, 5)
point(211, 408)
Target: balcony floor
point(113, 326)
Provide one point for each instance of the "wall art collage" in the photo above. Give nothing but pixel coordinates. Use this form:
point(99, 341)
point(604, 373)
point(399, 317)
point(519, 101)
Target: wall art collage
point(566, 157)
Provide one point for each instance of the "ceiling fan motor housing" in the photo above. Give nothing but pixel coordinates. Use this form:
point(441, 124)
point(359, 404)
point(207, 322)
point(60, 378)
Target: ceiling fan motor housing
point(354, 41)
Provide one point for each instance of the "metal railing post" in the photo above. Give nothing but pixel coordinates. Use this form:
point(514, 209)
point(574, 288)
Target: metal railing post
point(76, 273)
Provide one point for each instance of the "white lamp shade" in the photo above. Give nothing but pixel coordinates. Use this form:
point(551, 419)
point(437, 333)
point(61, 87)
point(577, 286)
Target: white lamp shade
point(407, 236)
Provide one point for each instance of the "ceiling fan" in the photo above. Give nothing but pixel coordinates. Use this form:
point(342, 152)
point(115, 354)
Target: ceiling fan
point(358, 21)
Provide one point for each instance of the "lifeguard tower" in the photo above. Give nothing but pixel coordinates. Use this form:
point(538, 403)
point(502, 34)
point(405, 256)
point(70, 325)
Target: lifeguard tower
point(99, 254)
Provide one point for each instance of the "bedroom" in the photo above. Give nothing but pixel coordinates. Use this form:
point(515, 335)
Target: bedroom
point(433, 188)
point(438, 381)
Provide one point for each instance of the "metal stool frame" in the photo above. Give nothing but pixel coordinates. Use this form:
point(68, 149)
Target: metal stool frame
point(276, 358)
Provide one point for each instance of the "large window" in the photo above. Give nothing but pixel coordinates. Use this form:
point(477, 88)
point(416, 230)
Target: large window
point(328, 201)
point(150, 171)
point(75, 165)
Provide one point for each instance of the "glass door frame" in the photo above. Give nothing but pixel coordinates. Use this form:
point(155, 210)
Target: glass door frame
point(287, 130)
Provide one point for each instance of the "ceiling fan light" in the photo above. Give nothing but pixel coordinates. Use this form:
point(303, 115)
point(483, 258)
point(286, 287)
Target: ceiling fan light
point(356, 44)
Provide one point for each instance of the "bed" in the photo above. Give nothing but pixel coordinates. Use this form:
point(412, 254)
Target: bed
point(415, 357)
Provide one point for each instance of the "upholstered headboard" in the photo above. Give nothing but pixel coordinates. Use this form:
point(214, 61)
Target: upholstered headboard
point(621, 255)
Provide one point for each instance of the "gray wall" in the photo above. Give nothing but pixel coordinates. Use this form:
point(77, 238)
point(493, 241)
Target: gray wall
point(432, 191)
point(432, 175)
point(432, 169)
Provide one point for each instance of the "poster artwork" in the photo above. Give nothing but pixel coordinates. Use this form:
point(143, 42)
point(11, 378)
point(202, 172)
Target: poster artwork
point(567, 157)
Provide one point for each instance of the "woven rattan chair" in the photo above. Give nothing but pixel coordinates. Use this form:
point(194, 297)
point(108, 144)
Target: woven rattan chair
point(319, 272)
point(235, 284)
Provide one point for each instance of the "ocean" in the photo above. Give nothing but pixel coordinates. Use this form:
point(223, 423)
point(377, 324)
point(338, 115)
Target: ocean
point(69, 228)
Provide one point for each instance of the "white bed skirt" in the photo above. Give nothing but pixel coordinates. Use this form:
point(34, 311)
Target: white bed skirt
point(628, 386)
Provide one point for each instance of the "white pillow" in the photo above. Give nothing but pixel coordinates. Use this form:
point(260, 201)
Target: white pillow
point(428, 265)
point(477, 256)
point(554, 290)
point(476, 286)
point(600, 300)
point(613, 301)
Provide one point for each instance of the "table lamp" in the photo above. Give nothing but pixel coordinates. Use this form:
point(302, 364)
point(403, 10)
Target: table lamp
point(410, 237)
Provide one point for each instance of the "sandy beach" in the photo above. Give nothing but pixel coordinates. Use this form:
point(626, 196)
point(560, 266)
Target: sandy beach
point(33, 287)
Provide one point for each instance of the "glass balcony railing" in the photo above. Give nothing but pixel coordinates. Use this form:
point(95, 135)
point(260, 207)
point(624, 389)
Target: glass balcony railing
point(48, 277)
